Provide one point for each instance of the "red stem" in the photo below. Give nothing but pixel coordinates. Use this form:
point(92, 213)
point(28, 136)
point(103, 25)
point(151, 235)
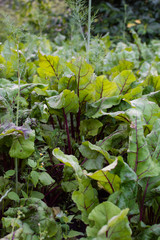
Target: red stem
point(52, 121)
point(78, 123)
point(142, 203)
point(72, 126)
point(67, 130)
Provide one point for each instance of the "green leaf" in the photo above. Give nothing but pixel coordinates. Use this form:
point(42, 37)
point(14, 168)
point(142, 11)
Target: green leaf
point(107, 220)
point(105, 88)
point(69, 186)
point(154, 97)
point(153, 81)
point(24, 194)
point(11, 131)
point(133, 93)
point(46, 179)
point(21, 147)
point(35, 177)
point(124, 80)
point(66, 100)
point(93, 160)
point(149, 186)
point(5, 82)
point(9, 173)
point(116, 139)
point(67, 83)
point(109, 181)
point(81, 69)
point(126, 197)
point(11, 89)
point(73, 233)
point(97, 108)
point(27, 229)
point(40, 111)
point(32, 163)
point(83, 73)
point(150, 110)
point(113, 222)
point(149, 233)
point(49, 66)
point(89, 149)
point(139, 158)
point(146, 70)
point(32, 209)
point(26, 89)
point(123, 65)
point(35, 194)
point(13, 196)
point(153, 140)
point(90, 127)
point(68, 160)
point(85, 198)
point(95, 156)
point(17, 235)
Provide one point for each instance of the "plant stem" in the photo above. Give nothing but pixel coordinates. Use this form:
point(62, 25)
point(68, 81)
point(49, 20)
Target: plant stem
point(142, 203)
point(19, 85)
point(67, 130)
point(72, 126)
point(16, 172)
point(89, 28)
point(156, 216)
point(52, 190)
point(79, 112)
point(59, 121)
point(78, 123)
point(17, 117)
point(84, 161)
point(52, 121)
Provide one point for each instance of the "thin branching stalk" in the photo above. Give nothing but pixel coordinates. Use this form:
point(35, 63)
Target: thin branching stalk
point(17, 116)
point(82, 33)
point(89, 27)
point(19, 85)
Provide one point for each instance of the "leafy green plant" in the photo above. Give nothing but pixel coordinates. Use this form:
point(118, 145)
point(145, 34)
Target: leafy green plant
point(118, 18)
point(83, 19)
point(87, 139)
point(21, 217)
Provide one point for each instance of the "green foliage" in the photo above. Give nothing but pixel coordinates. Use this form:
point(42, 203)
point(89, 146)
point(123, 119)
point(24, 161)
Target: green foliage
point(86, 196)
point(110, 182)
point(109, 222)
point(66, 100)
point(21, 140)
point(84, 134)
point(118, 18)
point(31, 209)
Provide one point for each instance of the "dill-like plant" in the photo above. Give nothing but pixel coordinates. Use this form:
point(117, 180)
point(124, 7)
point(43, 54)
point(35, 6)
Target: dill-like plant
point(81, 13)
point(16, 33)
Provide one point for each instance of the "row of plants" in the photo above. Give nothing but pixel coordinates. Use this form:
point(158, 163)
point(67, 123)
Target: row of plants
point(61, 19)
point(38, 17)
point(117, 17)
point(79, 139)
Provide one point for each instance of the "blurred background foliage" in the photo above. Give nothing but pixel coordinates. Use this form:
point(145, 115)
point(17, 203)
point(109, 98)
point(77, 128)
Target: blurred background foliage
point(53, 17)
point(117, 17)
